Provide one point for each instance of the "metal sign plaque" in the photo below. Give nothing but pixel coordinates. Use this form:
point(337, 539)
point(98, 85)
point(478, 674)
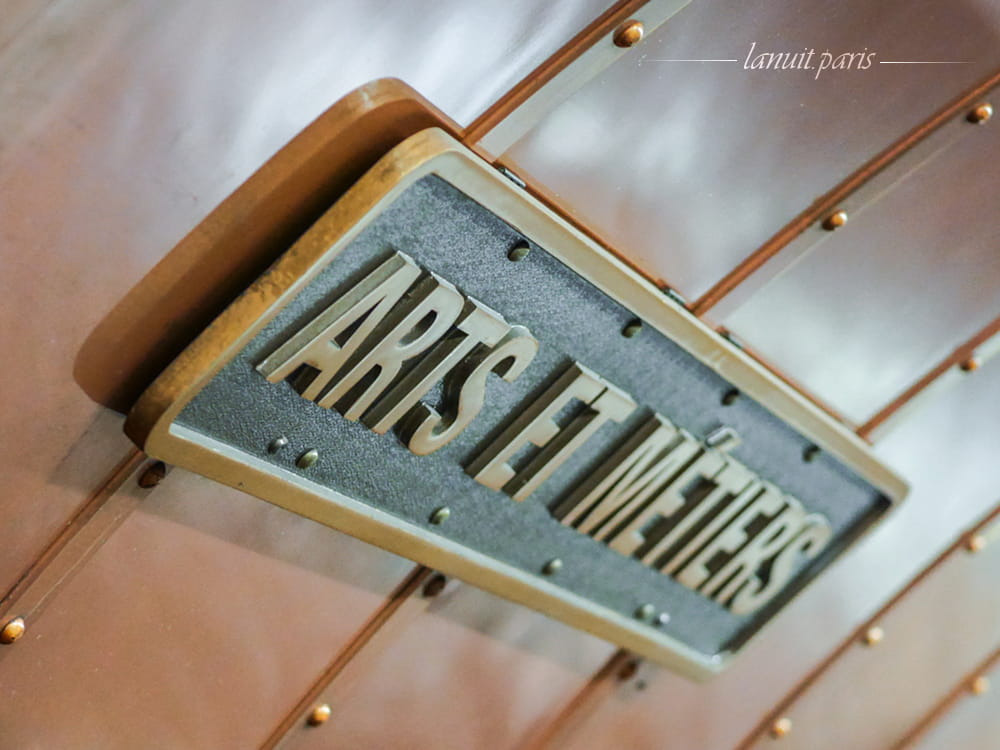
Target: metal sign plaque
point(444, 368)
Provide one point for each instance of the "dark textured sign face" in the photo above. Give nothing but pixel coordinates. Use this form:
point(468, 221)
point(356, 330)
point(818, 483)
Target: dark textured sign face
point(442, 367)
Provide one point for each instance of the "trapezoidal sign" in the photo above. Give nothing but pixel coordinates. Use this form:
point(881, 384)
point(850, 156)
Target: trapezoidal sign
point(443, 367)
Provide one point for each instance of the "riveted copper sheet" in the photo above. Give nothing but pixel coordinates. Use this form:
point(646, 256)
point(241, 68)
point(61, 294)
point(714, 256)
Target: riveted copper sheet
point(197, 625)
point(971, 722)
point(885, 298)
point(474, 671)
point(933, 638)
point(687, 168)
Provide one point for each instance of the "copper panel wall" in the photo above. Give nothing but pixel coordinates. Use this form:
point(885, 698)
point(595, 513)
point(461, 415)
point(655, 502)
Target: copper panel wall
point(933, 638)
point(208, 614)
point(689, 167)
point(124, 123)
point(473, 672)
point(974, 722)
point(197, 625)
point(886, 297)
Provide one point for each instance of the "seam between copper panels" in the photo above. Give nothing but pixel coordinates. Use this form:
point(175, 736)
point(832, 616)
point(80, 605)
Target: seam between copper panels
point(962, 354)
point(406, 588)
point(597, 688)
point(552, 66)
point(83, 515)
point(813, 676)
point(829, 202)
point(937, 713)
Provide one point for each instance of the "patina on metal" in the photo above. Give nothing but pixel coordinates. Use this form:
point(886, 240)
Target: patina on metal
point(410, 364)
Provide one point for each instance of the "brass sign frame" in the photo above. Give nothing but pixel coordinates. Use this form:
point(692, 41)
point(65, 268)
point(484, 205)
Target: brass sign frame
point(151, 423)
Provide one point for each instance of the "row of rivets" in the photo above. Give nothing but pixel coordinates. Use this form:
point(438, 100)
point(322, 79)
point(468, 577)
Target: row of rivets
point(978, 116)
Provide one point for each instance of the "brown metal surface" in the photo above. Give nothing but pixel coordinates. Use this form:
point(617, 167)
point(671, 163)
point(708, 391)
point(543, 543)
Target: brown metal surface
point(98, 517)
point(688, 168)
point(196, 625)
point(960, 355)
point(936, 635)
point(962, 719)
point(375, 629)
point(530, 84)
point(472, 672)
point(893, 292)
point(836, 195)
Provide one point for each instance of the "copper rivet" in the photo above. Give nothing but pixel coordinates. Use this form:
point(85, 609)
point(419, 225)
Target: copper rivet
point(441, 515)
point(835, 220)
point(981, 114)
point(519, 251)
point(153, 475)
point(320, 715)
point(552, 567)
point(13, 630)
point(632, 328)
point(277, 444)
point(307, 459)
point(434, 586)
point(781, 727)
point(629, 34)
point(874, 635)
point(970, 365)
point(645, 612)
point(980, 685)
point(976, 543)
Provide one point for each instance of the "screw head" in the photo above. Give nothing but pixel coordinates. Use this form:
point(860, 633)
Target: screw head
point(874, 635)
point(519, 251)
point(976, 543)
point(308, 459)
point(12, 630)
point(781, 727)
point(629, 34)
point(434, 586)
point(809, 454)
point(552, 567)
point(277, 444)
point(662, 619)
point(980, 685)
point(835, 220)
point(731, 397)
point(320, 715)
point(441, 515)
point(153, 475)
point(981, 113)
point(632, 328)
point(645, 612)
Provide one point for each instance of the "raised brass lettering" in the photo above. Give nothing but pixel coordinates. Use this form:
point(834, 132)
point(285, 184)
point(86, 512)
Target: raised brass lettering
point(536, 425)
